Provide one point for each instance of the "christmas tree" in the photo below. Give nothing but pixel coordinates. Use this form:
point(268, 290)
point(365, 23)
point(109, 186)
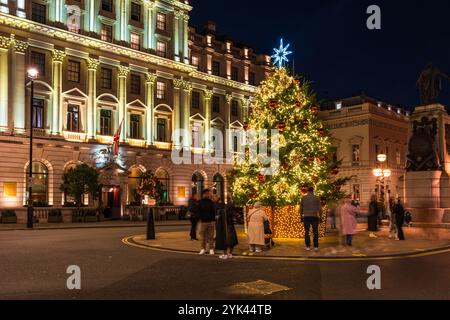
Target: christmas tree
point(285, 103)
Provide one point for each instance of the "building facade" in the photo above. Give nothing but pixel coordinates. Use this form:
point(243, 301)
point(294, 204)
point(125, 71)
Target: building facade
point(363, 128)
point(136, 66)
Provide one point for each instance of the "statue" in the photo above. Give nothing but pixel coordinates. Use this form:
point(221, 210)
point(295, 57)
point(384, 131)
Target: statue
point(430, 84)
point(423, 154)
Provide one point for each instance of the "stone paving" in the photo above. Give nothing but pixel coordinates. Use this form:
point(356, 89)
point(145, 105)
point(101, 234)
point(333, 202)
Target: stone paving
point(418, 240)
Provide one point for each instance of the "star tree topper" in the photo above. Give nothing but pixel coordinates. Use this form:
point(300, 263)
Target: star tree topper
point(281, 54)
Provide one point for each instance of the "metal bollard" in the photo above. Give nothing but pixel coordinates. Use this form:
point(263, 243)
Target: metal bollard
point(151, 224)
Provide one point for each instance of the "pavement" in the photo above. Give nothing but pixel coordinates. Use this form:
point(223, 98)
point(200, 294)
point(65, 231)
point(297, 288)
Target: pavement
point(419, 241)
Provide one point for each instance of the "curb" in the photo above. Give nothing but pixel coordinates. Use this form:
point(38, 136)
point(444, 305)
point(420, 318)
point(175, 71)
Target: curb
point(91, 227)
point(129, 241)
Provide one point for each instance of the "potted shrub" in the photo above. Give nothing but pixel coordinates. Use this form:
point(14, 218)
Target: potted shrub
point(55, 216)
point(9, 216)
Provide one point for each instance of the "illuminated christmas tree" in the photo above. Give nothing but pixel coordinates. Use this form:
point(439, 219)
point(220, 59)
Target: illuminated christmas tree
point(285, 103)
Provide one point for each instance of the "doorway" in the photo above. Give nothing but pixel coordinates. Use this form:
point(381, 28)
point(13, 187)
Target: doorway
point(111, 200)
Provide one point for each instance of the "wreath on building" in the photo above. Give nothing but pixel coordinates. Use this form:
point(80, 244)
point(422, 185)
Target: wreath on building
point(150, 186)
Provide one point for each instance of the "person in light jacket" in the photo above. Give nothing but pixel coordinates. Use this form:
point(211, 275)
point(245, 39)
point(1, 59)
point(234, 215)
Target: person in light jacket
point(347, 221)
point(256, 237)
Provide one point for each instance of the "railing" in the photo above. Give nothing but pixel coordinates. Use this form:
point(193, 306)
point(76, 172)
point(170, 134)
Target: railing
point(74, 136)
point(161, 213)
point(139, 143)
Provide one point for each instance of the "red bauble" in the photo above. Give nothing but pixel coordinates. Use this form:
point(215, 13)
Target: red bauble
point(282, 126)
point(337, 187)
point(304, 189)
point(311, 159)
point(324, 159)
point(298, 104)
point(273, 104)
point(305, 122)
point(246, 126)
point(286, 167)
point(261, 178)
point(322, 132)
point(314, 108)
point(335, 172)
point(297, 82)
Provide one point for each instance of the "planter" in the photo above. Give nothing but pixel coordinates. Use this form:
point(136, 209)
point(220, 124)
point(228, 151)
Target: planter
point(90, 219)
point(77, 219)
point(101, 217)
point(55, 219)
point(9, 220)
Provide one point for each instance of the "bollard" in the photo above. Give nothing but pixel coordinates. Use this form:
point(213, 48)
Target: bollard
point(151, 224)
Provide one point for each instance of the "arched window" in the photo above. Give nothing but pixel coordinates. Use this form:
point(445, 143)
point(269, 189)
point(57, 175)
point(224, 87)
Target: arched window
point(219, 186)
point(163, 178)
point(39, 194)
point(198, 184)
point(134, 199)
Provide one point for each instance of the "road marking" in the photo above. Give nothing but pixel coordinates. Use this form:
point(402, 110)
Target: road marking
point(127, 241)
point(260, 287)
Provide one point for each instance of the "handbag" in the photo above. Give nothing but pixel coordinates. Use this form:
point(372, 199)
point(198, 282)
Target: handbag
point(267, 229)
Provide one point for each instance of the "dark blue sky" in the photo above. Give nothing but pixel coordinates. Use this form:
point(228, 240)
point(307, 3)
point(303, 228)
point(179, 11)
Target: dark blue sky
point(334, 49)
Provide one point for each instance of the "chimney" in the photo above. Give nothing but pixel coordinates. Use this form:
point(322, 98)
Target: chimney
point(211, 26)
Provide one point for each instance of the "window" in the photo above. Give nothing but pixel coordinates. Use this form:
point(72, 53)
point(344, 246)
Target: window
point(107, 5)
point(161, 130)
point(135, 12)
point(73, 25)
point(356, 192)
point(398, 157)
point(161, 90)
point(161, 22)
point(135, 126)
point(39, 13)
point(356, 153)
point(216, 68)
point(216, 104)
point(196, 136)
point(38, 61)
point(105, 122)
point(235, 74)
point(252, 79)
point(234, 108)
point(73, 118)
point(39, 183)
point(195, 61)
point(135, 84)
point(106, 33)
point(106, 78)
point(161, 49)
point(134, 180)
point(135, 41)
point(235, 144)
point(73, 71)
point(38, 113)
point(195, 100)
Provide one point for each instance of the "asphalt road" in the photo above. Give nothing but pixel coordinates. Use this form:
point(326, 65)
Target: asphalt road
point(33, 266)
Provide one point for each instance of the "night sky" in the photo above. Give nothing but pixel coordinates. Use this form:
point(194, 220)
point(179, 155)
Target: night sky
point(333, 47)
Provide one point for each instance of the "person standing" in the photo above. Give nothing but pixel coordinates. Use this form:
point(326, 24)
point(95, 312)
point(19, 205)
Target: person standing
point(348, 223)
point(310, 213)
point(256, 237)
point(372, 219)
point(391, 216)
point(207, 216)
point(399, 212)
point(193, 212)
point(226, 236)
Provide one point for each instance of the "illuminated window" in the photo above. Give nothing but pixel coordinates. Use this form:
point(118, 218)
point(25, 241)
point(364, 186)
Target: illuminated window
point(106, 33)
point(135, 126)
point(161, 49)
point(135, 12)
point(134, 180)
point(196, 100)
point(38, 113)
point(73, 118)
point(161, 22)
point(106, 78)
point(107, 5)
point(161, 130)
point(39, 196)
point(135, 84)
point(38, 61)
point(105, 122)
point(216, 104)
point(195, 61)
point(161, 90)
point(234, 108)
point(10, 189)
point(135, 41)
point(73, 71)
point(338, 105)
point(39, 12)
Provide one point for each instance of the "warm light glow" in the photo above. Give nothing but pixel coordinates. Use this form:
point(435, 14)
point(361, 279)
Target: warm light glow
point(377, 173)
point(33, 73)
point(382, 158)
point(387, 173)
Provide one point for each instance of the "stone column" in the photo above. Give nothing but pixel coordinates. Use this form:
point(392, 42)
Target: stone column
point(208, 112)
point(186, 38)
point(18, 85)
point(92, 15)
point(187, 136)
point(226, 137)
point(150, 103)
point(92, 65)
point(4, 84)
point(57, 116)
point(122, 93)
point(150, 24)
point(177, 35)
point(177, 85)
point(123, 20)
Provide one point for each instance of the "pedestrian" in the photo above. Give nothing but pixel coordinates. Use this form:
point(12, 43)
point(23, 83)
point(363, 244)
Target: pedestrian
point(310, 210)
point(372, 219)
point(226, 236)
point(391, 216)
point(256, 237)
point(399, 212)
point(408, 219)
point(348, 223)
point(207, 216)
point(193, 216)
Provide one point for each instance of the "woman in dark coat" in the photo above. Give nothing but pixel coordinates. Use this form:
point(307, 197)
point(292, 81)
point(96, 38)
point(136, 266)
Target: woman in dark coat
point(374, 211)
point(226, 236)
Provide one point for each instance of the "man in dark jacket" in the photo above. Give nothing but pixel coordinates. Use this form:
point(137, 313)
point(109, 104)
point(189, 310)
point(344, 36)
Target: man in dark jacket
point(207, 216)
point(399, 212)
point(193, 211)
point(311, 210)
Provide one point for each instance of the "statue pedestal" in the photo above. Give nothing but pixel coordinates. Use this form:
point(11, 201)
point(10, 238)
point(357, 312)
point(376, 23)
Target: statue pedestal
point(423, 196)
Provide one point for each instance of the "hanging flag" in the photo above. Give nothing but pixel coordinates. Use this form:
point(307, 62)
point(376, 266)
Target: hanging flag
point(117, 140)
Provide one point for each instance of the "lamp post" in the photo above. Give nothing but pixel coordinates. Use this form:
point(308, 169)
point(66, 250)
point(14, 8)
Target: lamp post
point(382, 172)
point(32, 75)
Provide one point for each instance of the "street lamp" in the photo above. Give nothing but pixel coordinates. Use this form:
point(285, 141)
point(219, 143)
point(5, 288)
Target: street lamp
point(382, 173)
point(32, 75)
